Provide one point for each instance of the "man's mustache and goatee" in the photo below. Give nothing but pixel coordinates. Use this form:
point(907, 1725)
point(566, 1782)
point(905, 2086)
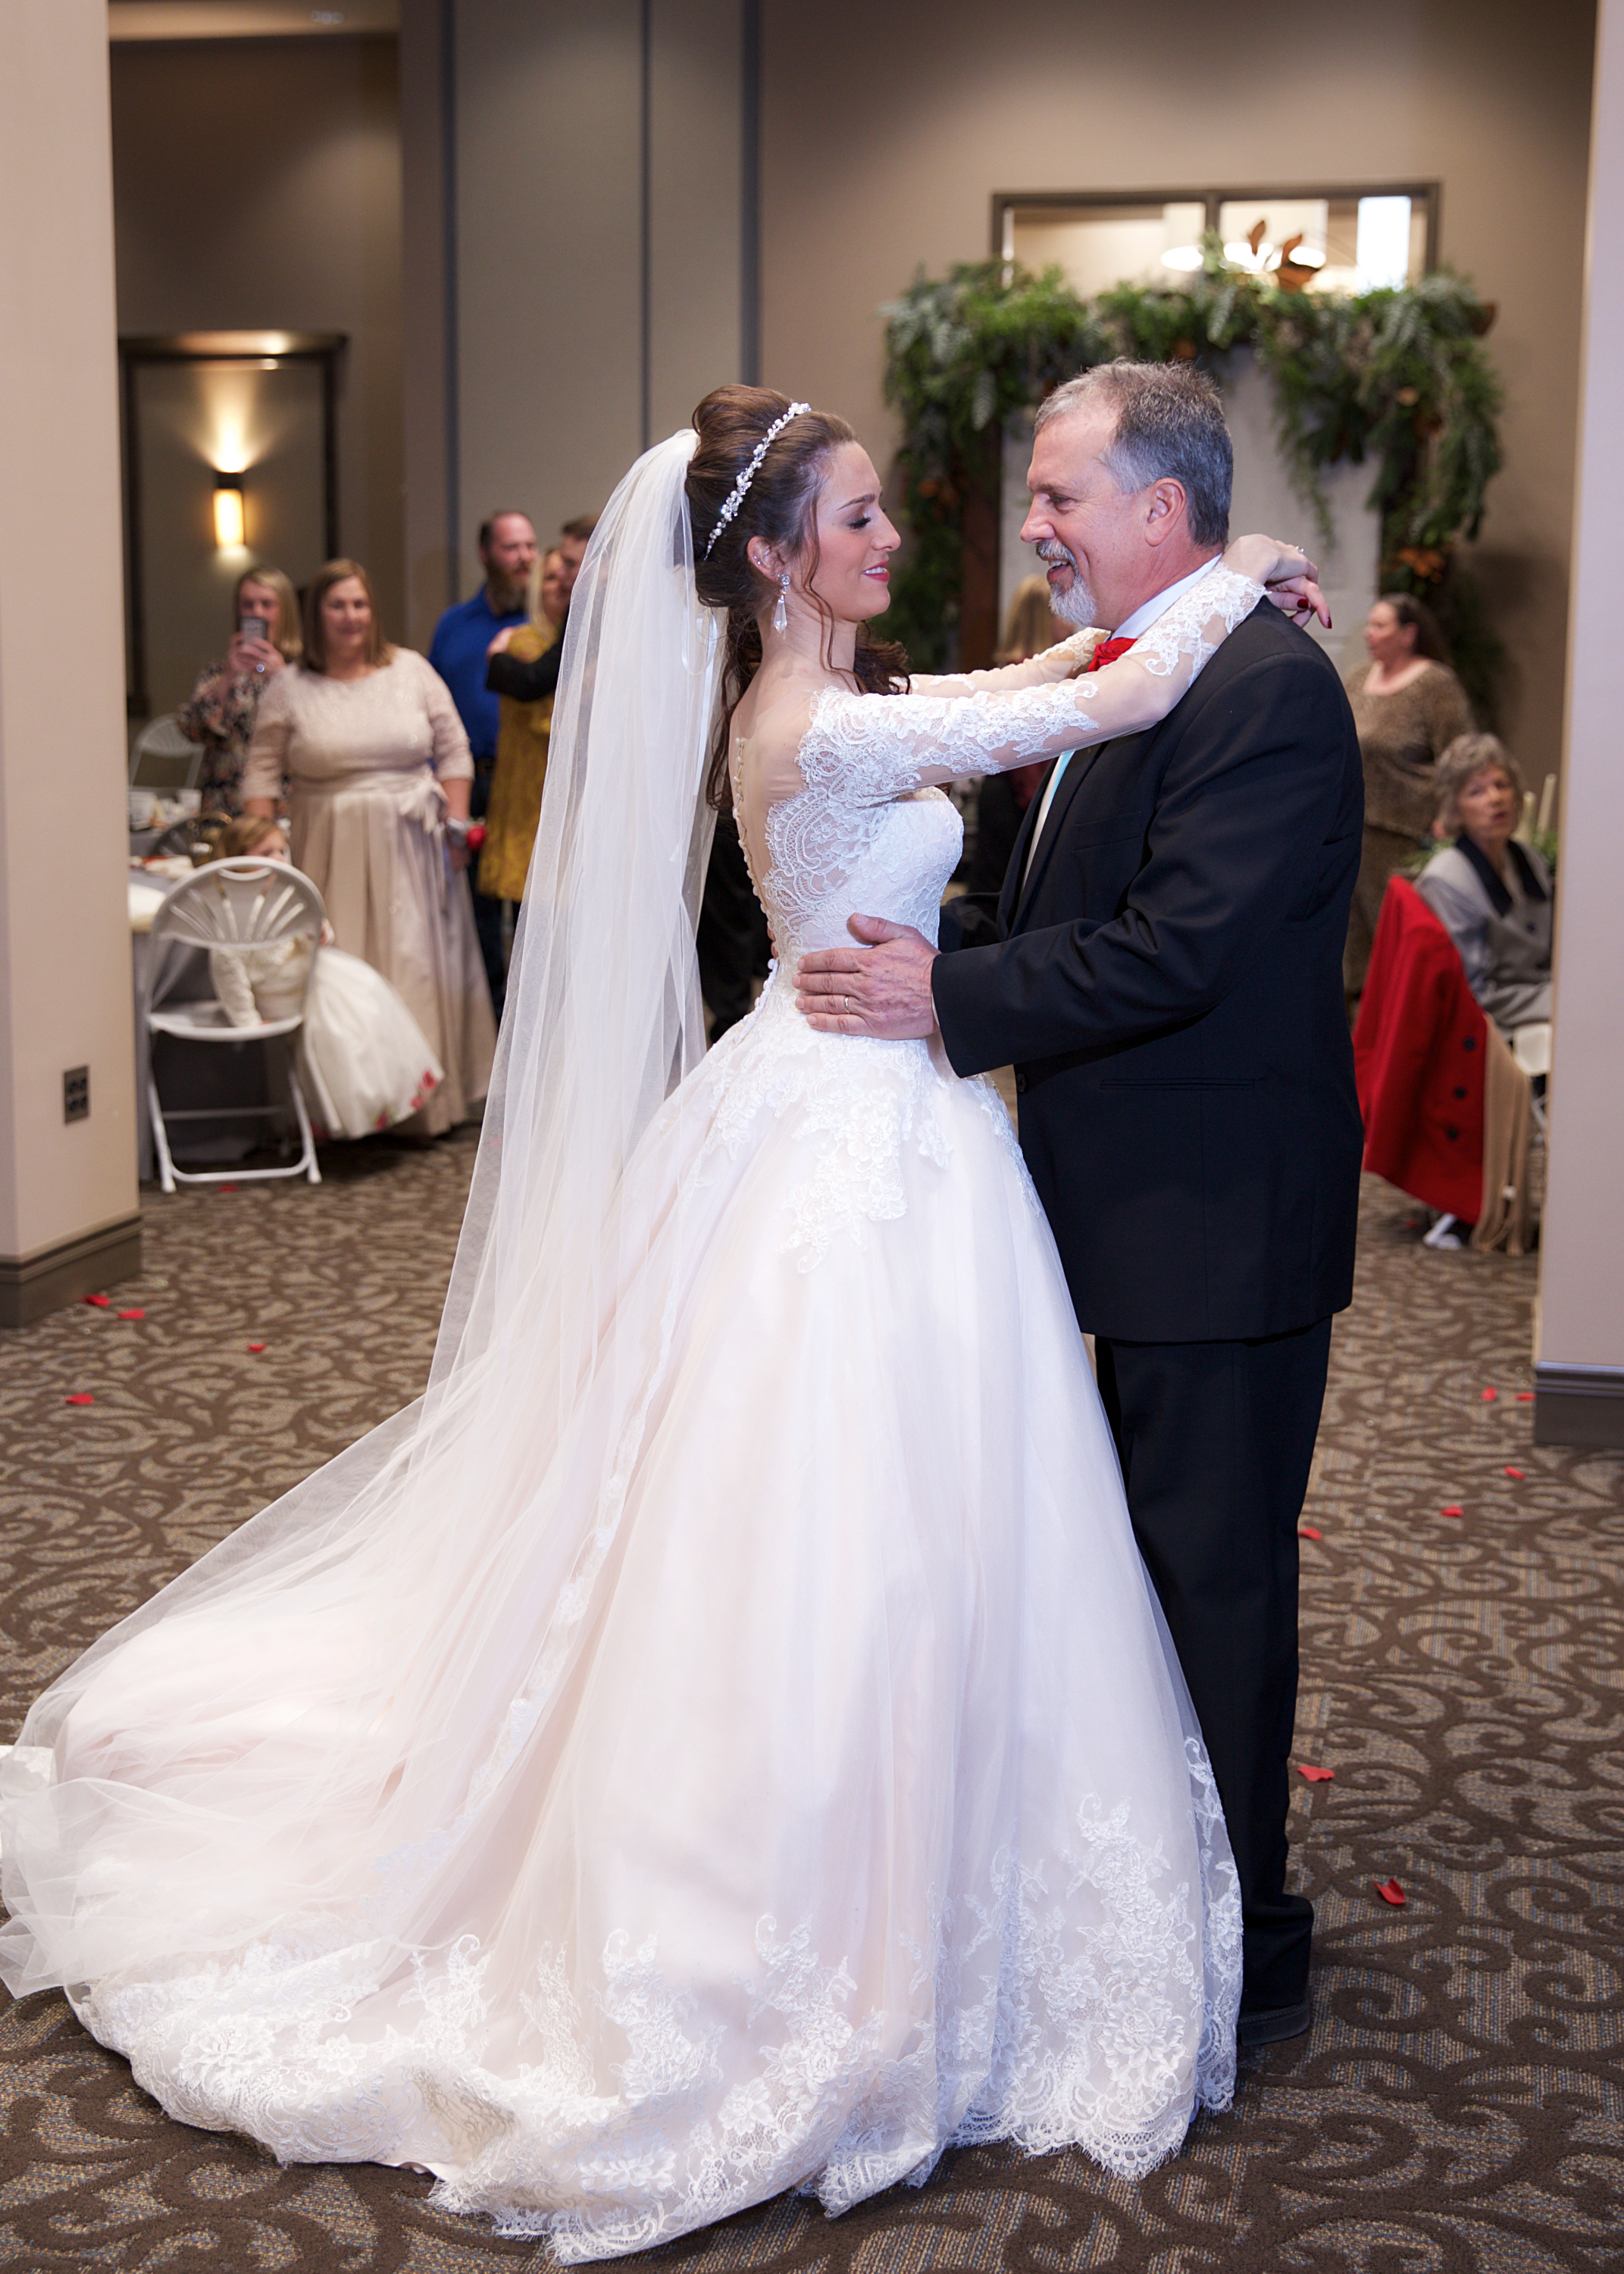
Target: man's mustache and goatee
point(1075, 605)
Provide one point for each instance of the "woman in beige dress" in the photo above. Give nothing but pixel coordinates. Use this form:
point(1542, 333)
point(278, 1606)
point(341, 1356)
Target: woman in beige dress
point(1408, 707)
point(379, 771)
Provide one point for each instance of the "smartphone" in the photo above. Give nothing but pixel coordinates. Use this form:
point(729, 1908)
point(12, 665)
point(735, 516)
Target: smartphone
point(254, 628)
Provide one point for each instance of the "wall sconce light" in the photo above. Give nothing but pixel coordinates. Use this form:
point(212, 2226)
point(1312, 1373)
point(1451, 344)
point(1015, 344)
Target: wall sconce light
point(230, 525)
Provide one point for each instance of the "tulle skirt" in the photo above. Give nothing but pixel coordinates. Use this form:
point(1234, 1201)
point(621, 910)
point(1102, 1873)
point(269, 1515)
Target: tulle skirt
point(763, 1775)
point(365, 1062)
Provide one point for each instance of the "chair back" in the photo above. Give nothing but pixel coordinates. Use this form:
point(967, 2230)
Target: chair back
point(235, 906)
point(162, 758)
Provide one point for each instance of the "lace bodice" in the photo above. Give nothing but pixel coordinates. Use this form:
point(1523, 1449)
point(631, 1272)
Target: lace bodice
point(855, 824)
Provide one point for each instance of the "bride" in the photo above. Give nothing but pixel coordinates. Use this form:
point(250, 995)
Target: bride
point(720, 1739)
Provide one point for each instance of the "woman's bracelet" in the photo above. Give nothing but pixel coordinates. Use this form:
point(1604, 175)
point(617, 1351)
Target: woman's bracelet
point(457, 829)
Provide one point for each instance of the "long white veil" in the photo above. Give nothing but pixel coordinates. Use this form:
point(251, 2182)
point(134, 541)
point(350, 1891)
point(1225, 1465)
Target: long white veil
point(425, 1581)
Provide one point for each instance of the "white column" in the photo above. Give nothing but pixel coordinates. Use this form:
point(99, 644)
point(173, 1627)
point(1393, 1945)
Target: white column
point(68, 1203)
point(1580, 1370)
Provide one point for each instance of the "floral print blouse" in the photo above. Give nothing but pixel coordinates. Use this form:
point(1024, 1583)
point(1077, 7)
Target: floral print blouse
point(220, 713)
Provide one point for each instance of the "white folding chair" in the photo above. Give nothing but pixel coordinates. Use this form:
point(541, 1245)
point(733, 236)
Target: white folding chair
point(230, 907)
point(162, 758)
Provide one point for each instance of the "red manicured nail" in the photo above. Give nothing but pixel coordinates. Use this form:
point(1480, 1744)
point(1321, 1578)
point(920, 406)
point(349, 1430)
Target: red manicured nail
point(1307, 1531)
point(1518, 1474)
point(256, 1347)
point(1452, 1511)
point(1390, 1892)
point(1489, 1397)
point(80, 1397)
point(1315, 1776)
point(132, 1315)
point(97, 1302)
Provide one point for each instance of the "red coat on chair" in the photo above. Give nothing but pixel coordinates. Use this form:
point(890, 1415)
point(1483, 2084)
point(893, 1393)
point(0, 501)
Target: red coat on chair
point(1419, 1049)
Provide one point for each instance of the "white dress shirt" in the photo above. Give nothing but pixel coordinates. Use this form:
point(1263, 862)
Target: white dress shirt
point(1141, 621)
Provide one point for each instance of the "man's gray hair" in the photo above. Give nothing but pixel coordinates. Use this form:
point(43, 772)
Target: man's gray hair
point(1170, 427)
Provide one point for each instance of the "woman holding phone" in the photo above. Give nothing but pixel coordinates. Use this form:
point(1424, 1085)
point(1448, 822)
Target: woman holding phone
point(222, 709)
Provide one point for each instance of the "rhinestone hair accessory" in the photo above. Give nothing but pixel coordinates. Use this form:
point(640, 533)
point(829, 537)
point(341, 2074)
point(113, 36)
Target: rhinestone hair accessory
point(735, 496)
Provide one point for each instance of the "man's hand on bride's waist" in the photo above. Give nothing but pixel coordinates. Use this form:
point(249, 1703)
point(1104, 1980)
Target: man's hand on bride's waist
point(881, 987)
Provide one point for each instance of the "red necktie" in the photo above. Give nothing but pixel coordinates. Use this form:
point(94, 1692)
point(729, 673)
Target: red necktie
point(1107, 651)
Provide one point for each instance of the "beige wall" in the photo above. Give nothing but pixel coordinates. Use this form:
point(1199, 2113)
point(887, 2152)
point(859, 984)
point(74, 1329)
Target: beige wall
point(1581, 1378)
point(66, 1193)
point(258, 184)
point(884, 136)
point(578, 335)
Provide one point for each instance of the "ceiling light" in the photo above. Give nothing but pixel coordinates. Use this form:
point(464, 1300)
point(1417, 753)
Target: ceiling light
point(1181, 256)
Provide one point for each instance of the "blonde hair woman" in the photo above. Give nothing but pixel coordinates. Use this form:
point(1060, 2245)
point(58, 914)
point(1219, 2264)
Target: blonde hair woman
point(369, 742)
point(514, 811)
point(222, 709)
point(1029, 622)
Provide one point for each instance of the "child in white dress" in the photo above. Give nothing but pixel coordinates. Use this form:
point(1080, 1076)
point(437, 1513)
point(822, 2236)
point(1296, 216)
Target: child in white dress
point(363, 1060)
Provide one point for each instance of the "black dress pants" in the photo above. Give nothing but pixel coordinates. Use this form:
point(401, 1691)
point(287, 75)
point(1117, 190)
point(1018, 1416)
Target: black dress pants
point(487, 911)
point(1215, 1441)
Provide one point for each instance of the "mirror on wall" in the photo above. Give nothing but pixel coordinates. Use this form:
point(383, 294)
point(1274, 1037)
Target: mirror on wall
point(230, 462)
point(1345, 240)
point(1321, 240)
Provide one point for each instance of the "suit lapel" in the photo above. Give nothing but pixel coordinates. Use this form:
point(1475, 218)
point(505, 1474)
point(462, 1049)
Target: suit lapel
point(1008, 891)
point(1080, 762)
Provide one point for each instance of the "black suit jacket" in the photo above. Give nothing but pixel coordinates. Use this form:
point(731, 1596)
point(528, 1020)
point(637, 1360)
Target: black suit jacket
point(1170, 989)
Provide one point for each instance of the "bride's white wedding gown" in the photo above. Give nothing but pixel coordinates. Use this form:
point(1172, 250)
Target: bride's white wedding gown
point(823, 1794)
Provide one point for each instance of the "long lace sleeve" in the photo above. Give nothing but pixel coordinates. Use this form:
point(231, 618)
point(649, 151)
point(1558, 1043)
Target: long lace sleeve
point(1043, 670)
point(882, 747)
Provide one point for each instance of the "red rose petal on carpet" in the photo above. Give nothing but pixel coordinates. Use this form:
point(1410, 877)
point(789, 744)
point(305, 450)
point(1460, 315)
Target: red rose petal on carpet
point(256, 1348)
point(80, 1397)
point(1307, 1531)
point(1518, 1474)
point(1315, 1776)
point(1452, 1511)
point(1390, 1892)
point(132, 1315)
point(225, 1188)
point(98, 1302)
point(1489, 1397)
point(1525, 1397)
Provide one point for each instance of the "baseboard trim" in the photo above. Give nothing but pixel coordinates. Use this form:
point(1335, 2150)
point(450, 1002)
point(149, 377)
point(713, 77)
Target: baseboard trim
point(1579, 1406)
point(32, 1285)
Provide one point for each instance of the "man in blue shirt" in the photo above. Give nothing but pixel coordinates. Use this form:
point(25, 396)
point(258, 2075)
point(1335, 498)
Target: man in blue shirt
point(507, 552)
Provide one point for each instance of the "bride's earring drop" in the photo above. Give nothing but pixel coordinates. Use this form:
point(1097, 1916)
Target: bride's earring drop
point(780, 614)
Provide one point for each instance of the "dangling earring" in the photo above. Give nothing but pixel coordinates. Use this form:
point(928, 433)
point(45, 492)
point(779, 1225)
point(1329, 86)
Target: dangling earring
point(780, 614)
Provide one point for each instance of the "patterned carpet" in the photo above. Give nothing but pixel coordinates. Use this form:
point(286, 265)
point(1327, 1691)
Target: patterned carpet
point(1459, 2108)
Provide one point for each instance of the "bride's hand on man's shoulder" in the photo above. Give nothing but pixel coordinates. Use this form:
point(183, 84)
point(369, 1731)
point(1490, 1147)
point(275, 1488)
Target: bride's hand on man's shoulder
point(1288, 577)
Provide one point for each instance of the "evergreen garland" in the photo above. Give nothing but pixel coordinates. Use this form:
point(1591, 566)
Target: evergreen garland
point(1399, 378)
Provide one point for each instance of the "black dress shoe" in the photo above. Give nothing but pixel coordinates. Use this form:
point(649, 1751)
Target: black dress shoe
point(1271, 2026)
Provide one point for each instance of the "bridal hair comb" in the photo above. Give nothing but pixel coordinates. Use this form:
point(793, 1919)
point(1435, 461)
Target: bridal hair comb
point(735, 496)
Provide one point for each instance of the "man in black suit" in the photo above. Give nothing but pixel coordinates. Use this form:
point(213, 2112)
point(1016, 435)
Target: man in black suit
point(1168, 983)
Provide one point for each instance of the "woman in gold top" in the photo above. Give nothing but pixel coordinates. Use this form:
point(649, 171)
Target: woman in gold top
point(522, 739)
point(1407, 706)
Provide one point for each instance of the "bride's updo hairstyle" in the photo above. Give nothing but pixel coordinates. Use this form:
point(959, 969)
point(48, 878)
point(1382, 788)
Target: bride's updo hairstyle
point(779, 505)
